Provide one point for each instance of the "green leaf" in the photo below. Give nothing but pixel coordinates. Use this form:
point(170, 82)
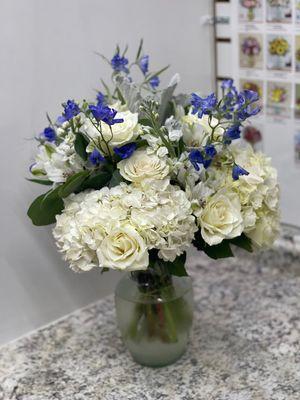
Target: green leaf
point(177, 267)
point(139, 50)
point(73, 183)
point(221, 250)
point(120, 96)
point(49, 149)
point(156, 73)
point(243, 242)
point(44, 208)
point(97, 180)
point(40, 181)
point(107, 90)
point(80, 145)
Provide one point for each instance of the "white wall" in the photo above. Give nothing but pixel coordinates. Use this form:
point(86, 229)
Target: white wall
point(46, 53)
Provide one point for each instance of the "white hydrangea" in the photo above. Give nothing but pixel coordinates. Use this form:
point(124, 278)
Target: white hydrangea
point(116, 227)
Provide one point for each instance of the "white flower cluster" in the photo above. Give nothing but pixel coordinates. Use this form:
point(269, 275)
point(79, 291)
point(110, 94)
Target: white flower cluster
point(57, 162)
point(225, 208)
point(116, 227)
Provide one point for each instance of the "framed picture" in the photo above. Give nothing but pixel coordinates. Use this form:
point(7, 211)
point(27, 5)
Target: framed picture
point(250, 11)
point(254, 85)
point(251, 50)
point(279, 11)
point(279, 52)
point(279, 94)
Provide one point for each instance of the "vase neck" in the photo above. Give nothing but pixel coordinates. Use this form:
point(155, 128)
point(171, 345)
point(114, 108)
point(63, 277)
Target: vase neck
point(152, 278)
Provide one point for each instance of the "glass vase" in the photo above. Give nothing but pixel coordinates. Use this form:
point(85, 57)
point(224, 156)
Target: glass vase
point(154, 315)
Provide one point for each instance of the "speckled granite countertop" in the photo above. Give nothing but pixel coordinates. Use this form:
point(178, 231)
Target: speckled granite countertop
point(245, 343)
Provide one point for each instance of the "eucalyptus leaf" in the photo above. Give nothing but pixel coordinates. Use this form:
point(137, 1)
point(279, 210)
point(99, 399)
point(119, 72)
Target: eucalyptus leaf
point(166, 97)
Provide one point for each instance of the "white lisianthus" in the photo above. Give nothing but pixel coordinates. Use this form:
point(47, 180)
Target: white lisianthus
point(123, 249)
point(143, 166)
point(196, 131)
point(57, 163)
point(116, 135)
point(221, 218)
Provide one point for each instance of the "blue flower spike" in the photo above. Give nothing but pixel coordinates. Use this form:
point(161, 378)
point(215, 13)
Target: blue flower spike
point(96, 157)
point(238, 171)
point(125, 151)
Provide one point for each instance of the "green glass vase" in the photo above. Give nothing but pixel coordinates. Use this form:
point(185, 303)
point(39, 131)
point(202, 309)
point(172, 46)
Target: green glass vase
point(154, 315)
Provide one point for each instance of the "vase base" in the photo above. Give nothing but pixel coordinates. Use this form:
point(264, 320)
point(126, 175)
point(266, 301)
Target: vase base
point(158, 364)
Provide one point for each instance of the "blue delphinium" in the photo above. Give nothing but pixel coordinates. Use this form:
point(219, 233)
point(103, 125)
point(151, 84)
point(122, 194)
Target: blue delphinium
point(154, 82)
point(100, 98)
point(60, 120)
point(237, 171)
point(232, 133)
point(119, 63)
point(125, 151)
point(203, 105)
point(144, 64)
point(196, 158)
point(105, 114)
point(71, 109)
point(96, 157)
point(49, 134)
point(210, 150)
point(227, 84)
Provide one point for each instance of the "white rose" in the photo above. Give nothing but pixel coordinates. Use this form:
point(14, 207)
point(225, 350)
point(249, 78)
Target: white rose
point(141, 166)
point(221, 218)
point(118, 134)
point(123, 249)
point(197, 130)
point(266, 229)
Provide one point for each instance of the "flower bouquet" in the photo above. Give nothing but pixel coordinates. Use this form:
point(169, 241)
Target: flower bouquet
point(139, 175)
point(250, 48)
point(250, 5)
